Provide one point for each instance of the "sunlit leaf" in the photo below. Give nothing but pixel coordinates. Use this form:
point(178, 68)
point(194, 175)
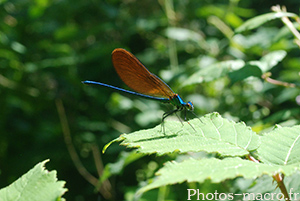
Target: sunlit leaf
point(271, 59)
point(261, 19)
point(281, 146)
point(182, 34)
point(216, 170)
point(212, 134)
point(250, 69)
point(214, 71)
point(36, 185)
point(257, 68)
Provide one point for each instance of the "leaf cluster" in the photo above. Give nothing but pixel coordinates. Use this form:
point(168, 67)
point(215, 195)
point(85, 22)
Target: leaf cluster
point(233, 144)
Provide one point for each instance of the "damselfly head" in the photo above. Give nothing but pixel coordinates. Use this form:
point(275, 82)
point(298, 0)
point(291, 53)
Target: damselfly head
point(190, 106)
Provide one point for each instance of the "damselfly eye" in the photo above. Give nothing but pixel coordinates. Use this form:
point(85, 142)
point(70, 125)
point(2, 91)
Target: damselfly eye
point(190, 106)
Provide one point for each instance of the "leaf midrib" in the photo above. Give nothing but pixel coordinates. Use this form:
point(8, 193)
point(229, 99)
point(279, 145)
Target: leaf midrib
point(290, 150)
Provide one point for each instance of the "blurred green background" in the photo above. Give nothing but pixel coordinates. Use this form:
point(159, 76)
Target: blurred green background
point(47, 47)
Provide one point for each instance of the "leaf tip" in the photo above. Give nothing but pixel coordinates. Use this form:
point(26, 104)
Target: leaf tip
point(108, 144)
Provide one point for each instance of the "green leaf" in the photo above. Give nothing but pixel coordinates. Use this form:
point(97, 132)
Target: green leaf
point(259, 20)
point(250, 69)
point(182, 34)
point(281, 146)
point(216, 170)
point(257, 68)
point(213, 134)
point(271, 59)
point(293, 183)
point(124, 159)
point(266, 184)
point(263, 184)
point(214, 71)
point(37, 184)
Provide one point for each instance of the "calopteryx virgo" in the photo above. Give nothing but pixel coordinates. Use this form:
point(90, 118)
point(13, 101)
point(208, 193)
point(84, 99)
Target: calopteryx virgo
point(144, 83)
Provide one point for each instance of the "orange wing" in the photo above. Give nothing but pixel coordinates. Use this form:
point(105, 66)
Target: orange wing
point(136, 76)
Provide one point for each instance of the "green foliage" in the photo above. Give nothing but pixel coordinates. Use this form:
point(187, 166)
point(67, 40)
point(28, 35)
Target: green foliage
point(237, 58)
point(260, 20)
point(214, 169)
point(214, 134)
point(215, 71)
point(281, 146)
point(37, 184)
point(117, 167)
point(238, 70)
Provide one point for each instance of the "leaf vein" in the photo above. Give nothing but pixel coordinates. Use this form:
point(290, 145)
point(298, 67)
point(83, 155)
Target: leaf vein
point(290, 150)
point(249, 142)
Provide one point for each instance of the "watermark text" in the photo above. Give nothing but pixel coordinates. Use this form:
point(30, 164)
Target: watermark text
point(196, 194)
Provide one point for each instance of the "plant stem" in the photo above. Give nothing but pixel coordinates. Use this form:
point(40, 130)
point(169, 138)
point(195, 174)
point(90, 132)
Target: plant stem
point(266, 77)
point(288, 23)
point(279, 179)
point(72, 151)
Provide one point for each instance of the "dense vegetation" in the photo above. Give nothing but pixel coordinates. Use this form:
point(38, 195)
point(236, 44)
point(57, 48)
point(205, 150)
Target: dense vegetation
point(203, 49)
